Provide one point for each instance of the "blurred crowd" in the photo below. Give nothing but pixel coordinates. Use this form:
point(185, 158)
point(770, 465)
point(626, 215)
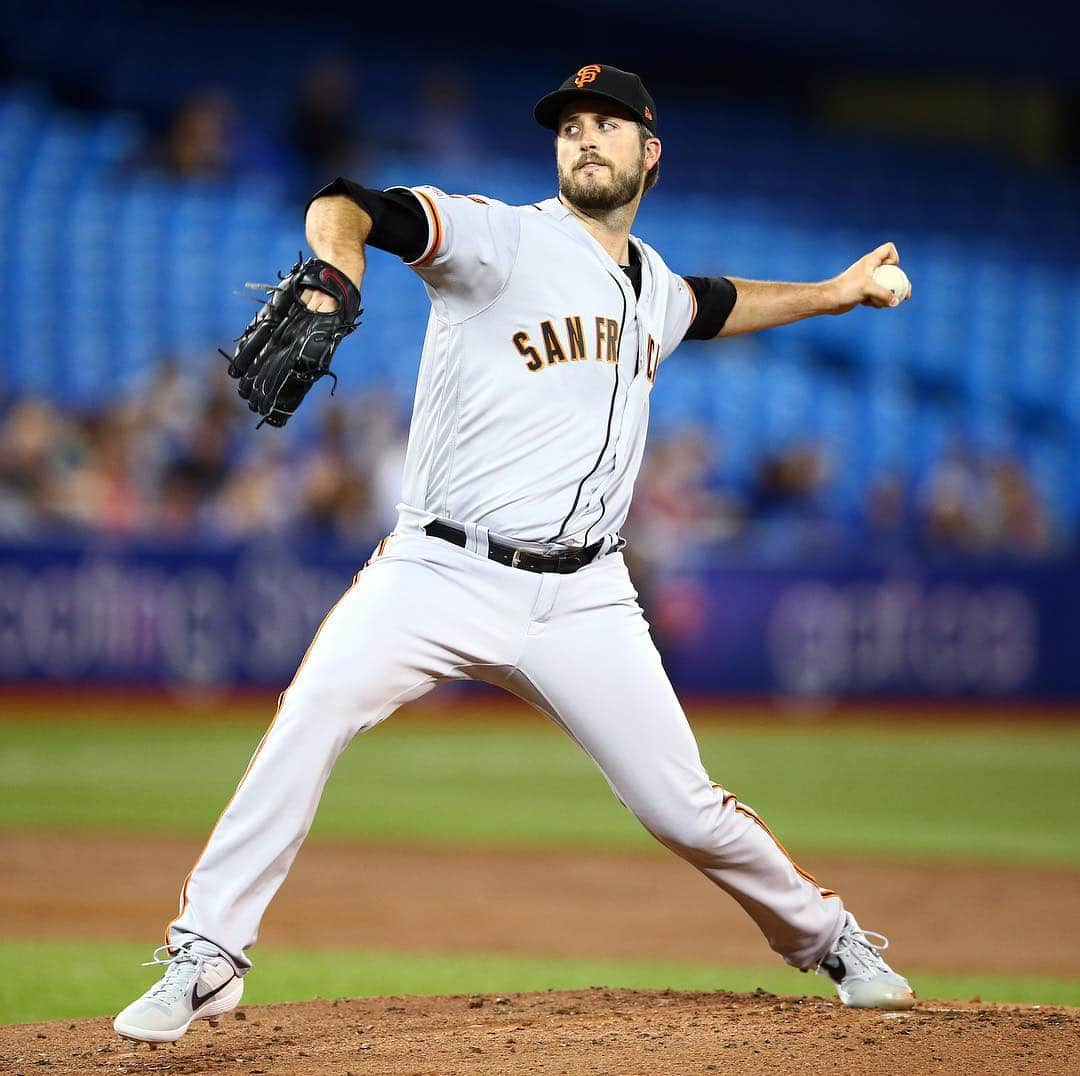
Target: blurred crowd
point(325, 133)
point(179, 461)
point(966, 504)
point(174, 463)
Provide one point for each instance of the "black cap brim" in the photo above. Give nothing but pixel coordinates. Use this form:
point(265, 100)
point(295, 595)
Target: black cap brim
point(549, 108)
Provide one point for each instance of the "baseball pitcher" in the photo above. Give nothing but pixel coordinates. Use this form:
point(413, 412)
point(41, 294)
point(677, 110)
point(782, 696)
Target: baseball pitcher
point(549, 327)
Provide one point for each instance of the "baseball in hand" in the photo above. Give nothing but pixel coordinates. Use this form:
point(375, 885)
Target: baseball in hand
point(895, 279)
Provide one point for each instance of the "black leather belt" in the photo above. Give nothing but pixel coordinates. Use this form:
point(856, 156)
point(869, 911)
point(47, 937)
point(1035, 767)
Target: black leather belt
point(514, 556)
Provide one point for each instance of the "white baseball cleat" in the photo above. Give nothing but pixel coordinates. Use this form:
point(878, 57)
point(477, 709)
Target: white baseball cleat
point(199, 983)
point(862, 979)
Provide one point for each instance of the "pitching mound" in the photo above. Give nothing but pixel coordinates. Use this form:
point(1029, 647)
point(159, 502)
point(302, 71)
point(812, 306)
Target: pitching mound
point(598, 1031)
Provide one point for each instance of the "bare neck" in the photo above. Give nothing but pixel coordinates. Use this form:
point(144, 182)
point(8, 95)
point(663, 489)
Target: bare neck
point(611, 229)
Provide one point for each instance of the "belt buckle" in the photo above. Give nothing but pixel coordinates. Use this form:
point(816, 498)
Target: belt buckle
point(536, 552)
point(555, 556)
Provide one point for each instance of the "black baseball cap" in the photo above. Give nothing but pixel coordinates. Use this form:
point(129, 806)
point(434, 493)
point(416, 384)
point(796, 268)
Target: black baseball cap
point(606, 83)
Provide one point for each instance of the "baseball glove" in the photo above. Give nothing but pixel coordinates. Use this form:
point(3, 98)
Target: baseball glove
point(287, 346)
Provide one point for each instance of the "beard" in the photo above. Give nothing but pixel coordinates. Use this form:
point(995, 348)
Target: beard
point(601, 192)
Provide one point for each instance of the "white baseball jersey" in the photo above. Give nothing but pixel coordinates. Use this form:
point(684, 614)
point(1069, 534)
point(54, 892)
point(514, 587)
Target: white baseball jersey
point(532, 402)
point(529, 421)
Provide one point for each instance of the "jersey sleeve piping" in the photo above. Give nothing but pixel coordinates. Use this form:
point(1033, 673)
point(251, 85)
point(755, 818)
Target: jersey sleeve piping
point(435, 230)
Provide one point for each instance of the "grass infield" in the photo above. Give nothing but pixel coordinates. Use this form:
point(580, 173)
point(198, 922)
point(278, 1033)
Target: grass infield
point(966, 794)
point(82, 979)
point(970, 793)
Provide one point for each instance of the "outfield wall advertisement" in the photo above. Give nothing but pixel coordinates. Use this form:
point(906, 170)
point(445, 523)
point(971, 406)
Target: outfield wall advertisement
point(189, 617)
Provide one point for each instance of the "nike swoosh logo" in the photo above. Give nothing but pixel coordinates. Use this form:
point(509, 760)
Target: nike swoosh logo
point(197, 1000)
point(835, 969)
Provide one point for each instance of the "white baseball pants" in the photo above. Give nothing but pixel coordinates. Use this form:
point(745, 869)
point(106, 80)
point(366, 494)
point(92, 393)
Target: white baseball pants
point(575, 646)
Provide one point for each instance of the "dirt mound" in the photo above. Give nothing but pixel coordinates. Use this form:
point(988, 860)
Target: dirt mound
point(559, 903)
point(598, 1031)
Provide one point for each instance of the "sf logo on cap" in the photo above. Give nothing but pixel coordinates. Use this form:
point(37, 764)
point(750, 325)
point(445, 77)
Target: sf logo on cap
point(586, 75)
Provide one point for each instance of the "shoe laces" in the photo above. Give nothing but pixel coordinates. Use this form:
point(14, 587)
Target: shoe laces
point(860, 951)
point(183, 965)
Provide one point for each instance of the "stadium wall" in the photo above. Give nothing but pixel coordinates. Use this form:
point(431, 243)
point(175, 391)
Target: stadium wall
point(116, 614)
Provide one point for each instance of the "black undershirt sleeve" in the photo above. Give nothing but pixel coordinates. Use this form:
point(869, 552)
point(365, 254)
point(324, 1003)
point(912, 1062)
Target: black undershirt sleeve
point(398, 223)
point(715, 297)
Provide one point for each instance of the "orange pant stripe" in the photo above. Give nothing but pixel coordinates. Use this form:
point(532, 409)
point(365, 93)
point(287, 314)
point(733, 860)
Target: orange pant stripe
point(277, 711)
point(750, 813)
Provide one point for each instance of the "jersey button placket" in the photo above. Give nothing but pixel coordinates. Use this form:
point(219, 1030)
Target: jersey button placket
point(601, 484)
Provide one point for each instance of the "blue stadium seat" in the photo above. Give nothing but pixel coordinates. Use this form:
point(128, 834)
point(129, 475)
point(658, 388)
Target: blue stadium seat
point(988, 351)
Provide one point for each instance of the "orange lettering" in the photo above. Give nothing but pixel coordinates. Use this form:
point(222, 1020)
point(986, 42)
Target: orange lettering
point(652, 360)
point(612, 340)
point(521, 342)
point(586, 75)
point(576, 333)
point(601, 328)
point(554, 349)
